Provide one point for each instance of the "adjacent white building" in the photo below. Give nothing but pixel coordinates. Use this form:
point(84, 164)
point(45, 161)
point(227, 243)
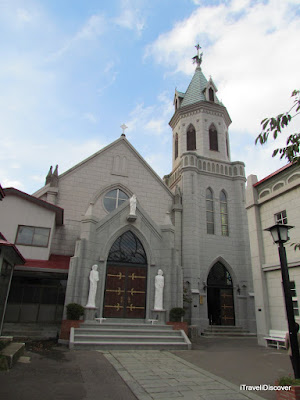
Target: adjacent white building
point(274, 199)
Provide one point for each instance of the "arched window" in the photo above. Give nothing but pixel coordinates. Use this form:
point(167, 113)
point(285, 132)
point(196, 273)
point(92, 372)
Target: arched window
point(219, 276)
point(113, 199)
point(191, 138)
point(224, 213)
point(127, 249)
point(176, 146)
point(213, 138)
point(211, 95)
point(210, 226)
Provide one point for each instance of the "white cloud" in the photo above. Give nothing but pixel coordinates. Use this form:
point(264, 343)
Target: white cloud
point(152, 120)
point(131, 16)
point(90, 117)
point(24, 15)
point(94, 27)
point(251, 51)
point(39, 157)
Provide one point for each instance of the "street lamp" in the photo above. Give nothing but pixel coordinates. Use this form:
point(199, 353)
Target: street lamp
point(279, 234)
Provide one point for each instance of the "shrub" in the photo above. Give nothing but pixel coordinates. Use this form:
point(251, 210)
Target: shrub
point(288, 381)
point(176, 314)
point(74, 311)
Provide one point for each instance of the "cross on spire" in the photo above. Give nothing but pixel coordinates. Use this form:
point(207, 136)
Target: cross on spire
point(198, 58)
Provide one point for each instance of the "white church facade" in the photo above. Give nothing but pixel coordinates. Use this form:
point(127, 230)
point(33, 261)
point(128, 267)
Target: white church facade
point(192, 225)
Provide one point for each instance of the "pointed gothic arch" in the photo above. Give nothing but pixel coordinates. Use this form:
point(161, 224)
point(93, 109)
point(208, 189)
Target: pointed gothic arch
point(191, 138)
point(220, 304)
point(211, 94)
point(213, 138)
point(126, 278)
point(176, 146)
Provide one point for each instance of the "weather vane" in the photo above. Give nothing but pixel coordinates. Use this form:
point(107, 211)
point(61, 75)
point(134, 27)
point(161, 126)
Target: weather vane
point(198, 58)
point(123, 126)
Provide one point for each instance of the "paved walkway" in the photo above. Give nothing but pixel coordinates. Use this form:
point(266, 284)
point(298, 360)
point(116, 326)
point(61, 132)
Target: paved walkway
point(213, 370)
point(162, 375)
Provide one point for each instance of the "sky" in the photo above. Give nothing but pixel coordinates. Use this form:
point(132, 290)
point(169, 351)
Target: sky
point(73, 71)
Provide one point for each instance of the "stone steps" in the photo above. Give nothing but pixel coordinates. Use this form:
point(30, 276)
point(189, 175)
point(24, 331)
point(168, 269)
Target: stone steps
point(226, 331)
point(127, 336)
point(124, 332)
point(11, 353)
point(130, 346)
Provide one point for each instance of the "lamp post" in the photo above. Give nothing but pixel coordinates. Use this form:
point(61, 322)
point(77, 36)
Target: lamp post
point(279, 234)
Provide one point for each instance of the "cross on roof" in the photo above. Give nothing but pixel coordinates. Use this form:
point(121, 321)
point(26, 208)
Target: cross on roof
point(123, 126)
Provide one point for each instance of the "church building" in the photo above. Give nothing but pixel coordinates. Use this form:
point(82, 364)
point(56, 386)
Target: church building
point(112, 210)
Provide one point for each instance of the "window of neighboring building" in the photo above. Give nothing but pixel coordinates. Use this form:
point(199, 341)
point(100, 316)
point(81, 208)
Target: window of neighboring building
point(224, 214)
point(191, 138)
point(294, 298)
point(210, 226)
point(211, 94)
point(213, 138)
point(33, 236)
point(114, 198)
point(281, 218)
point(176, 146)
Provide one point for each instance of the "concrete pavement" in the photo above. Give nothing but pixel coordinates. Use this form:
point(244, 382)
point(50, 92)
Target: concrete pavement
point(212, 371)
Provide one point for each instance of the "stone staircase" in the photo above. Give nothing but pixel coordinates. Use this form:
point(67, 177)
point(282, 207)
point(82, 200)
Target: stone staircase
point(129, 335)
point(226, 331)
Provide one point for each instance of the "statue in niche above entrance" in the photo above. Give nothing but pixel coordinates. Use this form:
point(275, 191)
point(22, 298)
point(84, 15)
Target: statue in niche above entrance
point(94, 278)
point(159, 290)
point(132, 204)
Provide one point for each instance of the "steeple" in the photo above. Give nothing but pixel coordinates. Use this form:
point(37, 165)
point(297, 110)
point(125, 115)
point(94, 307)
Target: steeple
point(199, 89)
point(200, 121)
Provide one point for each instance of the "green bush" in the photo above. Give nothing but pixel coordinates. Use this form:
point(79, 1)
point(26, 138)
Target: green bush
point(288, 381)
point(176, 314)
point(74, 311)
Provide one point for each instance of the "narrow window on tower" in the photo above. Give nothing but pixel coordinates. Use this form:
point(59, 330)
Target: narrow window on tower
point(191, 138)
point(210, 225)
point(211, 95)
point(224, 214)
point(176, 146)
point(227, 145)
point(213, 138)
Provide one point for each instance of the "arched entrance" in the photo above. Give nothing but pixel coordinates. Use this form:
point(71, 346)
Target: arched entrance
point(126, 279)
point(220, 296)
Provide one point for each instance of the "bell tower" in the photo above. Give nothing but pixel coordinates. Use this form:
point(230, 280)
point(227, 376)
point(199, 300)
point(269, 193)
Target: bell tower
point(209, 215)
point(200, 121)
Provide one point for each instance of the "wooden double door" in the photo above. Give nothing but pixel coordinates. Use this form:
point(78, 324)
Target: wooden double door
point(220, 306)
point(125, 291)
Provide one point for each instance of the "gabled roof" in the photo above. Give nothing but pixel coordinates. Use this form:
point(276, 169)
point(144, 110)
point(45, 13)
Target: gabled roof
point(123, 140)
point(59, 212)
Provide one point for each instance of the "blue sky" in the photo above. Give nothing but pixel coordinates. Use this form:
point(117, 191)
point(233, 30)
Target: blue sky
point(72, 71)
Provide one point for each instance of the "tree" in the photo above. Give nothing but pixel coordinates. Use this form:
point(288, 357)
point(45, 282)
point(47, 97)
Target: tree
point(275, 125)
